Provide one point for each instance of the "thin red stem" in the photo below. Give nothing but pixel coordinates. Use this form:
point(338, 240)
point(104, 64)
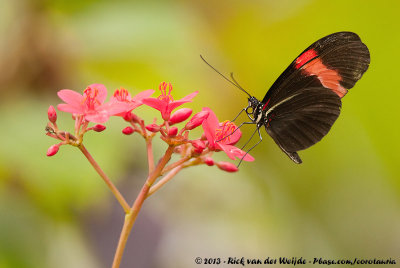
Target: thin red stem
point(131, 216)
point(164, 180)
point(110, 185)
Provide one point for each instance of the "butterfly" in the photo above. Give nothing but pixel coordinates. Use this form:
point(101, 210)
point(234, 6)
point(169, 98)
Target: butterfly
point(303, 103)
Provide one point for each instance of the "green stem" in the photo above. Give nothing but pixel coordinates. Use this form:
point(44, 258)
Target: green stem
point(110, 185)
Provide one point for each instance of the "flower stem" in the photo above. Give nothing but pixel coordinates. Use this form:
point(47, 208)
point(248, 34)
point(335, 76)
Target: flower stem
point(131, 216)
point(164, 180)
point(150, 157)
point(177, 163)
point(110, 185)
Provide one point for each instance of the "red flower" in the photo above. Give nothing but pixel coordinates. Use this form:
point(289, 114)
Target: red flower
point(220, 137)
point(165, 103)
point(122, 95)
point(91, 104)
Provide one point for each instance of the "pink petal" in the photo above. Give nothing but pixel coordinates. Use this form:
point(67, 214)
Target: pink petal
point(97, 117)
point(209, 126)
point(232, 152)
point(141, 95)
point(114, 107)
point(101, 97)
point(189, 97)
point(233, 138)
point(178, 103)
point(70, 109)
point(155, 103)
point(71, 97)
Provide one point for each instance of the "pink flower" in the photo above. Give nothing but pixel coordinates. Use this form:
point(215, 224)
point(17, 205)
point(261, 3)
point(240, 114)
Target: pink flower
point(122, 95)
point(222, 136)
point(91, 104)
point(165, 103)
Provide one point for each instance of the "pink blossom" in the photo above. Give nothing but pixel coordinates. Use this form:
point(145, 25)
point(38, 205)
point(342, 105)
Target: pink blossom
point(122, 95)
point(91, 104)
point(165, 103)
point(222, 136)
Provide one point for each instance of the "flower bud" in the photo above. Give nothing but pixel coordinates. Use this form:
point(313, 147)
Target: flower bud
point(199, 145)
point(128, 130)
point(52, 114)
point(99, 128)
point(197, 120)
point(209, 161)
point(227, 166)
point(53, 150)
point(153, 128)
point(128, 117)
point(178, 149)
point(180, 116)
point(172, 131)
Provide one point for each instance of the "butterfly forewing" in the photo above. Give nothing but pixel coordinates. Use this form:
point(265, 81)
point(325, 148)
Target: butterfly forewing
point(337, 60)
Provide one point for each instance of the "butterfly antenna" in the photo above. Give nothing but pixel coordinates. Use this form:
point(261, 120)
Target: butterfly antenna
point(227, 79)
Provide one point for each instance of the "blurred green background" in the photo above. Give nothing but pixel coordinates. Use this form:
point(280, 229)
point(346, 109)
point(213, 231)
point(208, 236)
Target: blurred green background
point(342, 202)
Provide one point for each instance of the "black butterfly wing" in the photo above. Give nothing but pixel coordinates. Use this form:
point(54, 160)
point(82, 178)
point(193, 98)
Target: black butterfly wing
point(336, 61)
point(302, 119)
point(304, 102)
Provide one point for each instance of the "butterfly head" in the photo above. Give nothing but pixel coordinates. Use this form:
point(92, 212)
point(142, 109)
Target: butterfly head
point(254, 109)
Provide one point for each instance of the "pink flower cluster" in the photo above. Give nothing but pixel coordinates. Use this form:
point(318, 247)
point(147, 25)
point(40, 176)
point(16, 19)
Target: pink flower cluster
point(92, 107)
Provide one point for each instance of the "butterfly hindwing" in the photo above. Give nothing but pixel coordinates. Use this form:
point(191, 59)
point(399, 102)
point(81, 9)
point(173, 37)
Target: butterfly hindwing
point(303, 119)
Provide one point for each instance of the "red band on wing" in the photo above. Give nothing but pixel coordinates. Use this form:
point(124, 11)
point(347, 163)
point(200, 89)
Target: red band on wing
point(305, 57)
point(265, 105)
point(329, 78)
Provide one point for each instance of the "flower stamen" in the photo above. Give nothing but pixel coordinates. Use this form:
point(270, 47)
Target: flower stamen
point(90, 97)
point(163, 88)
point(225, 131)
point(121, 95)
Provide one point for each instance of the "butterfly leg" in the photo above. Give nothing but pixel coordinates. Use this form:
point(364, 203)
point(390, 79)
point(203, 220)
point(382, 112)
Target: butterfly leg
point(244, 109)
point(259, 134)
